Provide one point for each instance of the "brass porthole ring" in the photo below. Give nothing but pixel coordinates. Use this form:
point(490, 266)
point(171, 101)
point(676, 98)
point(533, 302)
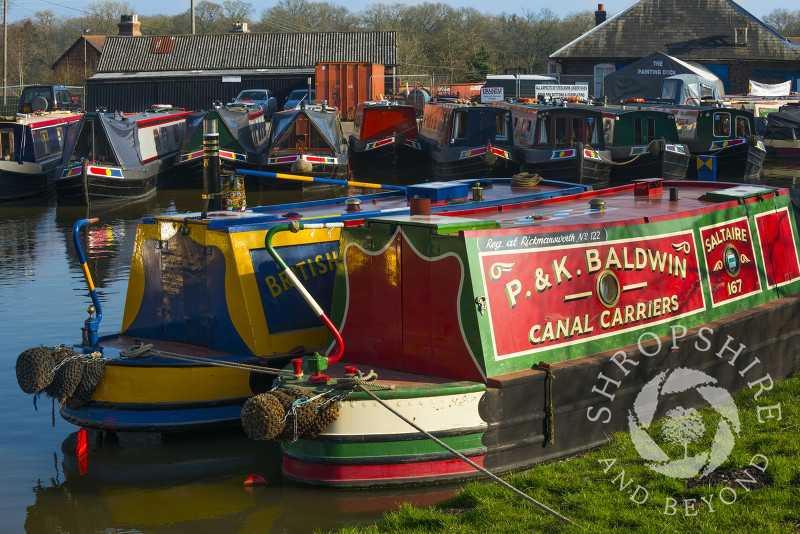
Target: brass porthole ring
point(608, 288)
point(730, 259)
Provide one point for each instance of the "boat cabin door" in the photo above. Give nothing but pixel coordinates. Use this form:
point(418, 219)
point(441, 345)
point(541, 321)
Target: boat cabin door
point(301, 132)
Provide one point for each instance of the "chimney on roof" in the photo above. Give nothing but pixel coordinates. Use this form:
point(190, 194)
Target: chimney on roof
point(129, 25)
point(599, 15)
point(239, 27)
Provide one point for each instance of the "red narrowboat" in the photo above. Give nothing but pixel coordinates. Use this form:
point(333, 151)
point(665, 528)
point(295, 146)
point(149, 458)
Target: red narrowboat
point(385, 135)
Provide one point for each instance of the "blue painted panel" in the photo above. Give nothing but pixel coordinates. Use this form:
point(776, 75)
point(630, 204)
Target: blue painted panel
point(722, 73)
point(284, 307)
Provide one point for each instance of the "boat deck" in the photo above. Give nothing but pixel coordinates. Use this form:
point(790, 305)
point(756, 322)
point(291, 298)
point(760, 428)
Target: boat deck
point(494, 193)
point(621, 206)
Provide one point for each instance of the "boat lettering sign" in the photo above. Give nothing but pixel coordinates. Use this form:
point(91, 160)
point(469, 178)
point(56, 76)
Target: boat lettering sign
point(562, 91)
point(491, 94)
point(565, 293)
point(549, 239)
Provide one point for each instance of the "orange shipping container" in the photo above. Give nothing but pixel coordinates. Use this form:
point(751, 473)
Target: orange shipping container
point(345, 85)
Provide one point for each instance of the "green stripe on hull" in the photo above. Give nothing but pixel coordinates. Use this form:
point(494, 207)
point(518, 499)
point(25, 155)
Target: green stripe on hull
point(401, 392)
point(423, 446)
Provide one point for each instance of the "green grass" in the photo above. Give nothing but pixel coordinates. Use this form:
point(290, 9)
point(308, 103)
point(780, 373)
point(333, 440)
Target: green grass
point(579, 489)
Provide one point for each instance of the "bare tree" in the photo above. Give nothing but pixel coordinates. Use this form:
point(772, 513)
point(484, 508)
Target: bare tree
point(784, 22)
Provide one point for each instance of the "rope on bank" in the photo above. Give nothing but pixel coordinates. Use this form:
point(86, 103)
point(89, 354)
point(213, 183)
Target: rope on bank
point(470, 462)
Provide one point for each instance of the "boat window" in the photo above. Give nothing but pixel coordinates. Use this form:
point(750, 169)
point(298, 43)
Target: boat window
point(157, 139)
point(60, 136)
point(608, 130)
point(742, 127)
point(561, 131)
point(164, 137)
point(638, 137)
point(543, 129)
point(176, 134)
point(6, 145)
point(706, 91)
point(460, 125)
point(42, 144)
point(577, 131)
point(591, 132)
point(500, 126)
point(722, 124)
point(651, 129)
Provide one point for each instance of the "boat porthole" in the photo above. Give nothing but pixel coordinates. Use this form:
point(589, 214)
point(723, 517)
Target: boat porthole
point(730, 259)
point(608, 290)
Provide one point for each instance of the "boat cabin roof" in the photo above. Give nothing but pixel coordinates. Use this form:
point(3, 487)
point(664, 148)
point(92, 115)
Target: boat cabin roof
point(644, 201)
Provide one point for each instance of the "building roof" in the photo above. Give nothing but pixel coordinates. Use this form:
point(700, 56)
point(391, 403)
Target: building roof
point(136, 75)
point(236, 51)
point(93, 42)
point(689, 29)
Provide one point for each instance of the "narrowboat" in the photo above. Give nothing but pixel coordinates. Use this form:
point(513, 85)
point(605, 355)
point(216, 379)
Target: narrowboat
point(385, 135)
point(30, 149)
point(728, 134)
point(116, 156)
point(467, 141)
point(307, 140)
point(534, 333)
point(560, 142)
point(782, 135)
point(209, 318)
point(644, 143)
point(243, 137)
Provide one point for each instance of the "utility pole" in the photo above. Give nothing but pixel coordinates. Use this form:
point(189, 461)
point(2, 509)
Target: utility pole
point(5, 49)
point(192, 16)
point(85, 31)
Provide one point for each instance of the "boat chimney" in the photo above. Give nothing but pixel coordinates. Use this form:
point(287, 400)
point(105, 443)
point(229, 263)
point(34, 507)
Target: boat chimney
point(211, 180)
point(599, 15)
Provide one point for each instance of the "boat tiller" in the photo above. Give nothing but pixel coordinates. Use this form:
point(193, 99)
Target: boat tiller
point(92, 324)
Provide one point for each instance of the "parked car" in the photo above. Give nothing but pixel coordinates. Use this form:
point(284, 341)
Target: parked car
point(298, 95)
point(261, 97)
point(47, 98)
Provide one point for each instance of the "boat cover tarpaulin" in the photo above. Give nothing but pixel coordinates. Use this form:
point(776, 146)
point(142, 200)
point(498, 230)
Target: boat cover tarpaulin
point(121, 134)
point(643, 78)
point(324, 122)
point(783, 125)
point(238, 123)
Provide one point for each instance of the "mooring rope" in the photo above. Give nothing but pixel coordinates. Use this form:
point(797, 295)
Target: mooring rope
point(137, 351)
point(470, 462)
point(639, 155)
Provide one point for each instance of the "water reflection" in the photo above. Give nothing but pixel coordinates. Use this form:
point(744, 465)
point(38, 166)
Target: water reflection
point(193, 483)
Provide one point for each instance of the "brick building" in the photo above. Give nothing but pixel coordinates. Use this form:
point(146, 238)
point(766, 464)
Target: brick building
point(718, 34)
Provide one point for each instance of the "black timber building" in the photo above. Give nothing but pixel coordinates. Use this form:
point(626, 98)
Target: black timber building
point(193, 71)
point(718, 34)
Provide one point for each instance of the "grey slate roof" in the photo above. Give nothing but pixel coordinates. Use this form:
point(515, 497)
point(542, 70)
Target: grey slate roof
point(245, 51)
point(137, 75)
point(689, 29)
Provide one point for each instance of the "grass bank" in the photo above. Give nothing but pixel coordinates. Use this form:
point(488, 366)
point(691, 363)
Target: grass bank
point(611, 489)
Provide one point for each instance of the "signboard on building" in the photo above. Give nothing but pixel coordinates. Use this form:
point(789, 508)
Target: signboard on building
point(231, 79)
point(491, 94)
point(562, 91)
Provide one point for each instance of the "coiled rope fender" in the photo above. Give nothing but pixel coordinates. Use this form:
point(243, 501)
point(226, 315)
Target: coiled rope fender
point(356, 379)
point(138, 351)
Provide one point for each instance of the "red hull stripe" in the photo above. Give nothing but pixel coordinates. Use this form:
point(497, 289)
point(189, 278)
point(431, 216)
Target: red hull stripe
point(61, 120)
point(378, 472)
point(160, 120)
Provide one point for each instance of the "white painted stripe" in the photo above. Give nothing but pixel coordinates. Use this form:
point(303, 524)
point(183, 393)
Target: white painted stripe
point(447, 412)
point(302, 290)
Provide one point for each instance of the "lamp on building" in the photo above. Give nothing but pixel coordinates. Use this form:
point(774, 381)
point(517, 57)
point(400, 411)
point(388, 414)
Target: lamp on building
point(85, 31)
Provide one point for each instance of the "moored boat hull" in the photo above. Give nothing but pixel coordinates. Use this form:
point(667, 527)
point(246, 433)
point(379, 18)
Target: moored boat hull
point(670, 163)
point(572, 319)
point(741, 160)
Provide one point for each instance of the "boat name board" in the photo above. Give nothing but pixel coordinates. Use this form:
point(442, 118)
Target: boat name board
point(540, 298)
point(730, 261)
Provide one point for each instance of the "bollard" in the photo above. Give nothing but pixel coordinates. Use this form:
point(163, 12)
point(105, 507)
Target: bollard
point(211, 178)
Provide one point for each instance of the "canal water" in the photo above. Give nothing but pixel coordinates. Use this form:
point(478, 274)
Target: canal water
point(143, 483)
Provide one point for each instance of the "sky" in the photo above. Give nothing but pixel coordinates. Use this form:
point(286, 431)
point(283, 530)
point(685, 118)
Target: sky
point(20, 9)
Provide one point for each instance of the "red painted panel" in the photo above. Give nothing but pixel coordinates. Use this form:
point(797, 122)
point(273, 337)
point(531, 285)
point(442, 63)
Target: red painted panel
point(382, 122)
point(372, 327)
point(377, 472)
point(432, 340)
point(539, 298)
point(724, 243)
point(778, 247)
